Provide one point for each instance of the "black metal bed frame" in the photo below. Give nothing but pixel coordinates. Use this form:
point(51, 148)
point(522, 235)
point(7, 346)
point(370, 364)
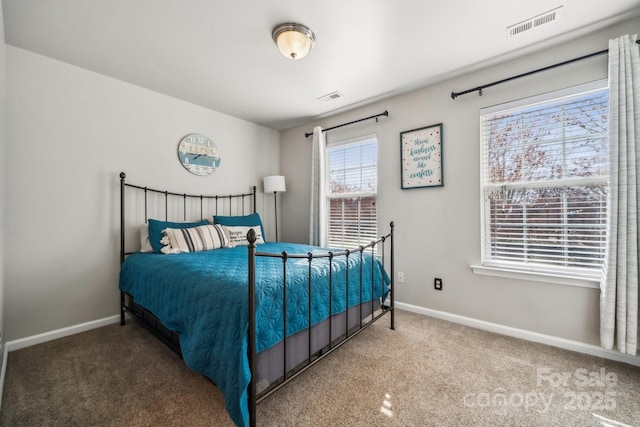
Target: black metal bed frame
point(171, 338)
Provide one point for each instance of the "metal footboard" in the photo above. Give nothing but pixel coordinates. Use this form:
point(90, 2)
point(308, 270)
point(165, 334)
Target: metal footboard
point(386, 306)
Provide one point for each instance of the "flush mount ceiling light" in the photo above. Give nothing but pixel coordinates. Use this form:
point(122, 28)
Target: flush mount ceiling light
point(293, 40)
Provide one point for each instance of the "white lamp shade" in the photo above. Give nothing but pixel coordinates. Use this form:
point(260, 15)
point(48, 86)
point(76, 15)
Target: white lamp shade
point(274, 184)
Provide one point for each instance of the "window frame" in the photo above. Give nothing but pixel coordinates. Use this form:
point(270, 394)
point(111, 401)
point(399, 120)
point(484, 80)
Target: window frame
point(355, 195)
point(519, 270)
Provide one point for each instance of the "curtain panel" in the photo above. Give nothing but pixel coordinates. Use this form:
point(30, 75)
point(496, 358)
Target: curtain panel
point(619, 287)
point(318, 210)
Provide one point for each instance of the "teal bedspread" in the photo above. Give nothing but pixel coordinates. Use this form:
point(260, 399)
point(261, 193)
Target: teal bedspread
point(203, 296)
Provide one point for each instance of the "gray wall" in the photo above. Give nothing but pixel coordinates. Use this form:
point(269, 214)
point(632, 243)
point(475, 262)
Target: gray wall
point(438, 229)
point(3, 175)
point(70, 132)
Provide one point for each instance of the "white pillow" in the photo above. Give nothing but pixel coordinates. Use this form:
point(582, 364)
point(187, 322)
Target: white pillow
point(194, 239)
point(145, 244)
point(237, 235)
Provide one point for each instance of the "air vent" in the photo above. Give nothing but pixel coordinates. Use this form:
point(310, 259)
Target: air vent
point(535, 22)
point(330, 97)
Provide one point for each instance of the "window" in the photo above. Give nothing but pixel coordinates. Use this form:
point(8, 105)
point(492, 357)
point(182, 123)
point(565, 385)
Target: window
point(545, 173)
point(352, 191)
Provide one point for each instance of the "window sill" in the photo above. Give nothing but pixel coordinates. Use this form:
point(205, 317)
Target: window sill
point(583, 282)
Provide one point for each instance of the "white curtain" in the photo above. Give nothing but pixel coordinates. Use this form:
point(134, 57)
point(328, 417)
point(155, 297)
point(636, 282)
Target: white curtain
point(318, 217)
point(619, 289)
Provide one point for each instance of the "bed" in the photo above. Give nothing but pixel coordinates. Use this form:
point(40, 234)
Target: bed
point(249, 315)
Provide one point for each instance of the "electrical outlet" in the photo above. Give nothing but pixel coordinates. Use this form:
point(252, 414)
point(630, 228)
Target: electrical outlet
point(437, 284)
point(400, 277)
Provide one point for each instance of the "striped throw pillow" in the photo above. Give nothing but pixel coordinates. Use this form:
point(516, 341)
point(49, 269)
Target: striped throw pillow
point(194, 239)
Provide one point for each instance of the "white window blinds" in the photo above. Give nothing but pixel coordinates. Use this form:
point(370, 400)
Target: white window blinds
point(545, 169)
point(352, 191)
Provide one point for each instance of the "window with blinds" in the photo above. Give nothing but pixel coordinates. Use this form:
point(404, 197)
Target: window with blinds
point(545, 182)
point(351, 192)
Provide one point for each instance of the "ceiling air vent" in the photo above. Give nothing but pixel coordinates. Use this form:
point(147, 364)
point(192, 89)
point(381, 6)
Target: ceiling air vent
point(330, 97)
point(535, 22)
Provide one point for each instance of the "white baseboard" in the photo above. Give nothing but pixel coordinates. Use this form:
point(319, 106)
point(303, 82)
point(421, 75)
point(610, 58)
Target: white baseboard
point(58, 333)
point(566, 344)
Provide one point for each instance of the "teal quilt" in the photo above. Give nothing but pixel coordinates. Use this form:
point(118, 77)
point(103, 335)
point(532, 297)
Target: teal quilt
point(203, 296)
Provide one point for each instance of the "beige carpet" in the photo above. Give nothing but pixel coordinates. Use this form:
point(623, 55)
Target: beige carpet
point(427, 372)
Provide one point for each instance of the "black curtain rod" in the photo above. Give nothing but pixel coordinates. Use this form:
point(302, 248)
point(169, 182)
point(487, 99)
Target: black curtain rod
point(454, 95)
point(386, 113)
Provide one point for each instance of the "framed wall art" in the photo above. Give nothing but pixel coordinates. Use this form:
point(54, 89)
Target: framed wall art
point(421, 157)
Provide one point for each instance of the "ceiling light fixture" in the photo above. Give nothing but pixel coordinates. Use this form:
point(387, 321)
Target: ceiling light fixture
point(294, 40)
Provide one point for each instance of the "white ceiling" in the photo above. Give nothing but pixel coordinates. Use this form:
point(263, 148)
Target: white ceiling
point(219, 54)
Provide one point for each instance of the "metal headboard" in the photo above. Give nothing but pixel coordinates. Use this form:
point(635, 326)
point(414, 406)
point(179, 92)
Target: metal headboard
point(247, 201)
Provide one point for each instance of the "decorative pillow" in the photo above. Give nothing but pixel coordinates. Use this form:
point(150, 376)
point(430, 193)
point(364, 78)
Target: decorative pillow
point(145, 245)
point(242, 220)
point(201, 238)
point(238, 235)
point(156, 227)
